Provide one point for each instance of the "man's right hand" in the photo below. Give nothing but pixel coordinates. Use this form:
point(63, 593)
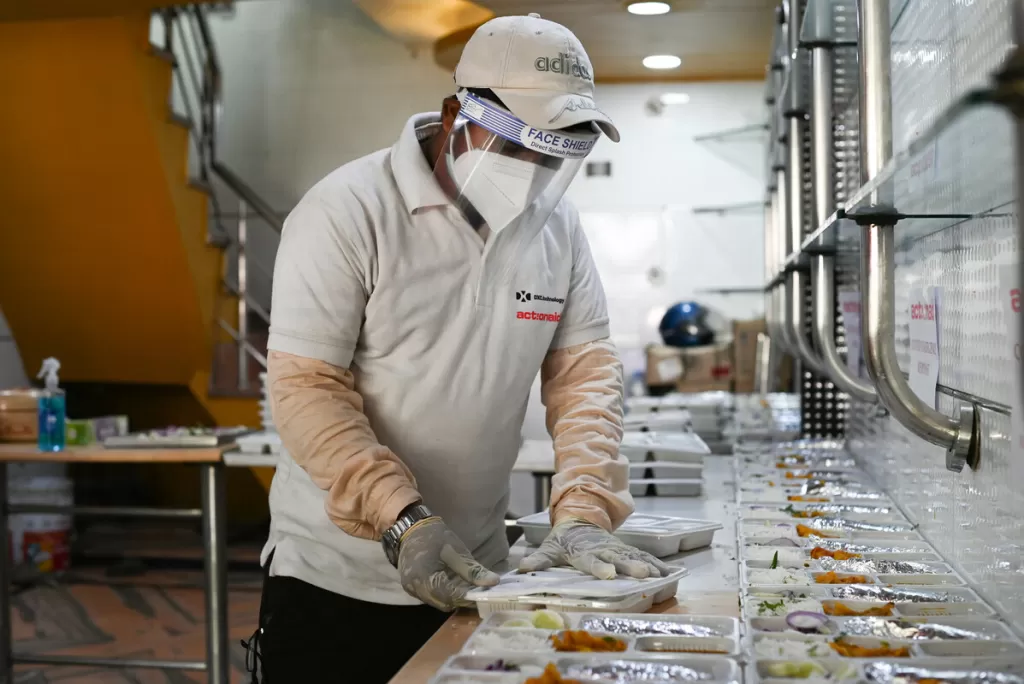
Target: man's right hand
point(436, 567)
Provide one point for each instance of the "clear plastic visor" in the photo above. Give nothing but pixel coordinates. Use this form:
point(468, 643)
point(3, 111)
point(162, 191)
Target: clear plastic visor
point(505, 173)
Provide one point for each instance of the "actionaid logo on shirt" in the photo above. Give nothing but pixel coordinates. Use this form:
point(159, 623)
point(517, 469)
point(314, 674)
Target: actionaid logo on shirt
point(524, 296)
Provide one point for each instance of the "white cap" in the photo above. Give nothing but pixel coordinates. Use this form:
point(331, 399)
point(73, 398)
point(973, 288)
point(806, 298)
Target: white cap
point(538, 69)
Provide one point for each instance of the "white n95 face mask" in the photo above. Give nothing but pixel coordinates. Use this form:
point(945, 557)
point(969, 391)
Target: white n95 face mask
point(500, 188)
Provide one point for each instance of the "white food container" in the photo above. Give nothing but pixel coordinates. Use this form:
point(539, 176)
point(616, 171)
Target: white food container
point(987, 629)
point(899, 531)
point(483, 641)
point(666, 487)
point(664, 421)
point(867, 513)
point(666, 470)
point(963, 602)
point(701, 402)
point(567, 589)
point(677, 447)
point(837, 670)
point(712, 669)
point(720, 626)
point(678, 487)
point(660, 535)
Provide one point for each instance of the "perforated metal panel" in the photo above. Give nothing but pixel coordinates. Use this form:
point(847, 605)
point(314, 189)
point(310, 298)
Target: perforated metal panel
point(941, 49)
point(823, 405)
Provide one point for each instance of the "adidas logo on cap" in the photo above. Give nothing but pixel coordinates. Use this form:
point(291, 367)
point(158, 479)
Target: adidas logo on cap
point(563, 64)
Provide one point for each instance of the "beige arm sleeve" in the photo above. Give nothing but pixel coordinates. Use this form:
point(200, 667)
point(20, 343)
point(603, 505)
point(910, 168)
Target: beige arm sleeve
point(581, 387)
point(320, 418)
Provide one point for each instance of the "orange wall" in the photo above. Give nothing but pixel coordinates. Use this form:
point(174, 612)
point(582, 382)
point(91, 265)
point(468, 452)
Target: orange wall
point(103, 260)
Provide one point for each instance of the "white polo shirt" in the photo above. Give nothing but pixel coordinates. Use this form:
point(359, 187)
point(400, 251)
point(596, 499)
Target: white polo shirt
point(378, 272)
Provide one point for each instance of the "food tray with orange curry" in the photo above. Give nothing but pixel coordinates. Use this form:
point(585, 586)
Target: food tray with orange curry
point(810, 492)
point(862, 600)
point(592, 668)
point(924, 670)
point(549, 647)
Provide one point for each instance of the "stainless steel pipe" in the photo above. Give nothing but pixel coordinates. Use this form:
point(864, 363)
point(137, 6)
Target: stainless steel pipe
point(823, 266)
point(782, 218)
point(877, 269)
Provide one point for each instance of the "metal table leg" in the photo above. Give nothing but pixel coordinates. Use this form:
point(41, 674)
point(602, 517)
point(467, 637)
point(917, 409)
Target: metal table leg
point(6, 662)
point(541, 490)
point(216, 575)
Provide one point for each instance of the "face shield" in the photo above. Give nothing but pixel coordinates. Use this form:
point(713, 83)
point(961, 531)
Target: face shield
point(506, 173)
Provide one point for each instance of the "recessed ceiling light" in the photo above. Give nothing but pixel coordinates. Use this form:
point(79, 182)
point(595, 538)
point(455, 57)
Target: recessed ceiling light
point(648, 8)
point(674, 98)
point(662, 62)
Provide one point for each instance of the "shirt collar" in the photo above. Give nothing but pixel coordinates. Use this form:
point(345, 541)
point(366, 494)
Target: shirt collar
point(414, 176)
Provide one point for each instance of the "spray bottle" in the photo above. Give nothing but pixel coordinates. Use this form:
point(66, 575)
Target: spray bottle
point(52, 409)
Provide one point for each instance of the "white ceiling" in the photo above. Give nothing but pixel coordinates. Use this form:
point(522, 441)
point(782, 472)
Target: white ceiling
point(716, 39)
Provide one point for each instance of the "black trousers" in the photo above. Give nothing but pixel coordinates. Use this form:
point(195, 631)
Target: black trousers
point(310, 634)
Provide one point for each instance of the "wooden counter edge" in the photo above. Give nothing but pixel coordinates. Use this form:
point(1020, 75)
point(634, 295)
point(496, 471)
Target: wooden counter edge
point(98, 454)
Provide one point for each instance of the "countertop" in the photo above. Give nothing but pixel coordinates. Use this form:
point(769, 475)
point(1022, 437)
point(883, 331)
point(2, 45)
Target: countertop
point(97, 454)
point(711, 588)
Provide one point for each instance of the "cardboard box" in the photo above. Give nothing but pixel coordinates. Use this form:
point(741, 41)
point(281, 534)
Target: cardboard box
point(744, 361)
point(664, 365)
point(706, 369)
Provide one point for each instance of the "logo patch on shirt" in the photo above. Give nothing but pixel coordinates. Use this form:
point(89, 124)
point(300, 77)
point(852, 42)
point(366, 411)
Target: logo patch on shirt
point(524, 296)
point(538, 316)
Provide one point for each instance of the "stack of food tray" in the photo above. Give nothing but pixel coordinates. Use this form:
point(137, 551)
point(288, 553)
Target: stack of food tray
point(770, 417)
point(665, 463)
point(708, 414)
point(837, 585)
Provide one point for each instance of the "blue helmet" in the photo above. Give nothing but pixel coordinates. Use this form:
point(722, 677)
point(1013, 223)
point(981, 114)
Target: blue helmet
point(684, 325)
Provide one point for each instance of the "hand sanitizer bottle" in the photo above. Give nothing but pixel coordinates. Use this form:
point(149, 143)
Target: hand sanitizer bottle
point(52, 409)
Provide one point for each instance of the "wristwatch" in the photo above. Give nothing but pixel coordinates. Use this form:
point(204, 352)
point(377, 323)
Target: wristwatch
point(392, 536)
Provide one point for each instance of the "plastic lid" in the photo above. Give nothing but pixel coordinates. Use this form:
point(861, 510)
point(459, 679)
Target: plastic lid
point(568, 582)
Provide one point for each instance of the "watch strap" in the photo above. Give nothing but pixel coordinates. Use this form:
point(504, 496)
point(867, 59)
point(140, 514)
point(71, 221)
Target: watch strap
point(392, 537)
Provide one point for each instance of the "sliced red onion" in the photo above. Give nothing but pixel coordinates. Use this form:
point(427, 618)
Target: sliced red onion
point(807, 622)
point(782, 541)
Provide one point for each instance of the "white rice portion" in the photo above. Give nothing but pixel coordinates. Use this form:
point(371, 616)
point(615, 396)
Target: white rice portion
point(766, 553)
point(518, 641)
point(791, 649)
point(775, 606)
point(779, 576)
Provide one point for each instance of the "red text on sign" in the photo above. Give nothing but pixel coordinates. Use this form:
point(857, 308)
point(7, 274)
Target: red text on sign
point(922, 312)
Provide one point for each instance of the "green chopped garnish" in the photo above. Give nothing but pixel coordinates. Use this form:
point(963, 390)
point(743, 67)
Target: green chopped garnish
point(768, 606)
point(775, 561)
point(789, 509)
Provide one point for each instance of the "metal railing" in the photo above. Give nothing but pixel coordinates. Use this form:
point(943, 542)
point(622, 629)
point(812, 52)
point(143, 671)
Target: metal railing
point(198, 80)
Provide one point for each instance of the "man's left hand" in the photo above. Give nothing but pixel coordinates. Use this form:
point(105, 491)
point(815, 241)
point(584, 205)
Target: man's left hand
point(592, 550)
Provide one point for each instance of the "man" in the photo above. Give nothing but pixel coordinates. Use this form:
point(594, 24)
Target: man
point(417, 292)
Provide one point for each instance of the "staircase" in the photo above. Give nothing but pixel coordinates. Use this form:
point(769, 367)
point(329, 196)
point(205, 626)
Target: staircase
point(124, 237)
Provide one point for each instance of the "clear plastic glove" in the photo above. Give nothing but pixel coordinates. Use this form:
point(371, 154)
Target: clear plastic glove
point(437, 568)
point(592, 550)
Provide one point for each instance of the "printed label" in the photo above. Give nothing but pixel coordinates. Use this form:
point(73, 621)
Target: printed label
point(505, 124)
point(924, 344)
point(849, 305)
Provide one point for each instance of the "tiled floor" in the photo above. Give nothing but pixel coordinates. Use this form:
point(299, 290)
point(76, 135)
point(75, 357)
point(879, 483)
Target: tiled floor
point(153, 615)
